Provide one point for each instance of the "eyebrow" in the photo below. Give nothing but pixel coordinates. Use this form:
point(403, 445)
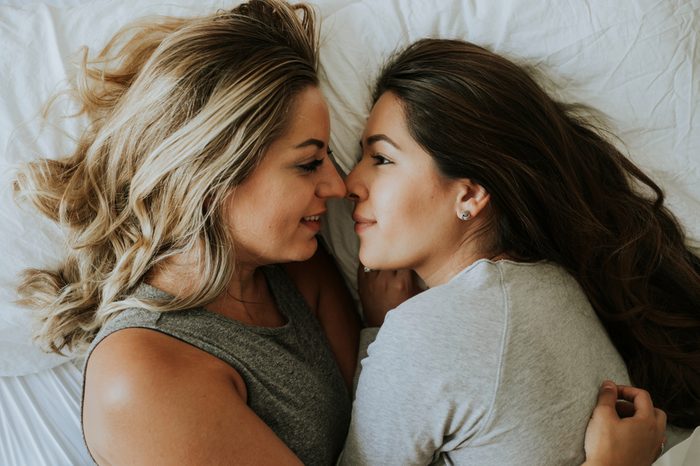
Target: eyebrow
point(311, 142)
point(380, 137)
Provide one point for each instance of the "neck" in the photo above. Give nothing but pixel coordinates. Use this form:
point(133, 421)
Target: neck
point(179, 276)
point(248, 299)
point(443, 272)
point(245, 285)
point(440, 272)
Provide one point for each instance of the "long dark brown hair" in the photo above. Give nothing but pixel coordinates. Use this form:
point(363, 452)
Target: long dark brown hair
point(561, 192)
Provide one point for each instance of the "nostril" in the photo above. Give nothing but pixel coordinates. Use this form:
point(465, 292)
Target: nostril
point(352, 196)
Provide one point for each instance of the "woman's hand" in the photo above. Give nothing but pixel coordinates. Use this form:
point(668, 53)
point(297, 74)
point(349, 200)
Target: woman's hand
point(625, 428)
point(382, 290)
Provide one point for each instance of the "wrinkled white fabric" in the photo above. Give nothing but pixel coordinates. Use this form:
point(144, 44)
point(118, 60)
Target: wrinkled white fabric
point(686, 453)
point(40, 418)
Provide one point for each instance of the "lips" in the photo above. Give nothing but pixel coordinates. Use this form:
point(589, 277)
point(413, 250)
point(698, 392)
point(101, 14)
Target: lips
point(313, 221)
point(362, 223)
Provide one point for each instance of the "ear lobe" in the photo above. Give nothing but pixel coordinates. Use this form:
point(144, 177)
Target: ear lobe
point(471, 200)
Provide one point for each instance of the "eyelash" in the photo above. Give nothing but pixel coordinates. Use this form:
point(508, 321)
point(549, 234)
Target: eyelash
point(314, 164)
point(379, 159)
point(311, 166)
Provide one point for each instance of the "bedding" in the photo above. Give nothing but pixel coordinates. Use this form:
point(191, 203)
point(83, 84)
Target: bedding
point(637, 62)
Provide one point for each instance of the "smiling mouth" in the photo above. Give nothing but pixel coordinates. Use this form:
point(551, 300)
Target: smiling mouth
point(361, 224)
point(313, 222)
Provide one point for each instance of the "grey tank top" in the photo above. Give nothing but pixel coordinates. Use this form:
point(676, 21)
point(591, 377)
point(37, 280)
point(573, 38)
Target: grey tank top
point(293, 382)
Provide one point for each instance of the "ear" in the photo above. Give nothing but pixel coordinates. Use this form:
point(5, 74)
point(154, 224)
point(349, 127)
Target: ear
point(471, 199)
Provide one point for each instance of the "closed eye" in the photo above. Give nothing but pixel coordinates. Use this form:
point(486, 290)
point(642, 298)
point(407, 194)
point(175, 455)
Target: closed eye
point(311, 166)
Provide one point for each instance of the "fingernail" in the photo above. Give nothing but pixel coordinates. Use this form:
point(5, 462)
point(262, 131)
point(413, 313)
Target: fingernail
point(609, 385)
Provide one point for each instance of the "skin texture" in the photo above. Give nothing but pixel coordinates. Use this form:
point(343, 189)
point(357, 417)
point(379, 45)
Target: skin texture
point(398, 189)
point(266, 211)
point(139, 381)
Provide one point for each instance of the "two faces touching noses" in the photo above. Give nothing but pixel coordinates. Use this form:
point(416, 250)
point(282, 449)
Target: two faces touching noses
point(413, 209)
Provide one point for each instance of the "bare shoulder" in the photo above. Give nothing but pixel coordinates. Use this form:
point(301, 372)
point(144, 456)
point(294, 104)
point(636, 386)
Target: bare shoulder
point(138, 361)
point(152, 399)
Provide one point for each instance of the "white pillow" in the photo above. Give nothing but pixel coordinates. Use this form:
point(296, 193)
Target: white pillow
point(634, 60)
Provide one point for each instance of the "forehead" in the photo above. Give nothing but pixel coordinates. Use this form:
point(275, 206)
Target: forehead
point(308, 121)
point(309, 113)
point(386, 116)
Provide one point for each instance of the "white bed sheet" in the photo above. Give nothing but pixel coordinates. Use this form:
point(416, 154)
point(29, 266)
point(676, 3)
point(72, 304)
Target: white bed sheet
point(637, 61)
point(39, 419)
point(686, 453)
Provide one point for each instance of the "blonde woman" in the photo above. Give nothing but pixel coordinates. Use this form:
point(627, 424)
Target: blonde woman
point(205, 165)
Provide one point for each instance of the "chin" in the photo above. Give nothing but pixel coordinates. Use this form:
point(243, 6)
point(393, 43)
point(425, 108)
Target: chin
point(371, 261)
point(305, 252)
point(382, 261)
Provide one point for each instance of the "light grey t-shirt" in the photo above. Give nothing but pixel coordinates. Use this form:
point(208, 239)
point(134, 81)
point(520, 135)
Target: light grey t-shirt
point(499, 366)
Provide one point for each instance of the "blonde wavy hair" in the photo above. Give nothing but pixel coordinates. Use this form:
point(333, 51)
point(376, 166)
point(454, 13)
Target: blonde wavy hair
point(181, 111)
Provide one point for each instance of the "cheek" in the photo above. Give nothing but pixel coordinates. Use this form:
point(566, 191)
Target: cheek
point(281, 213)
point(406, 203)
point(274, 218)
point(415, 215)
point(255, 215)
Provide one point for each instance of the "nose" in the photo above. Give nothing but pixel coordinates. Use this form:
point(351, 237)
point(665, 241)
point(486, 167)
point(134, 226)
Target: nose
point(357, 190)
point(331, 185)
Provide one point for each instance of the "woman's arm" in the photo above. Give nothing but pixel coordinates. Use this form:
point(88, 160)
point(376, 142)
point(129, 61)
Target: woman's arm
point(151, 399)
point(321, 284)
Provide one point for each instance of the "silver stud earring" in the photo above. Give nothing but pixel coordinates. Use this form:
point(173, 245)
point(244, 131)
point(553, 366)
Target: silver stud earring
point(465, 215)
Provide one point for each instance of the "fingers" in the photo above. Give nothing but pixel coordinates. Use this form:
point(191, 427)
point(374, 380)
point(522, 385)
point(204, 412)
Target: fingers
point(637, 402)
point(624, 408)
point(660, 420)
point(641, 399)
point(628, 401)
point(607, 397)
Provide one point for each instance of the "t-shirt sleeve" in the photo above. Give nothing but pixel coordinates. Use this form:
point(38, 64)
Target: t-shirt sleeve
point(412, 400)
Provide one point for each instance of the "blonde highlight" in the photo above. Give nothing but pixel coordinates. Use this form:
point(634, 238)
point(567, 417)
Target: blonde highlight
point(181, 110)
